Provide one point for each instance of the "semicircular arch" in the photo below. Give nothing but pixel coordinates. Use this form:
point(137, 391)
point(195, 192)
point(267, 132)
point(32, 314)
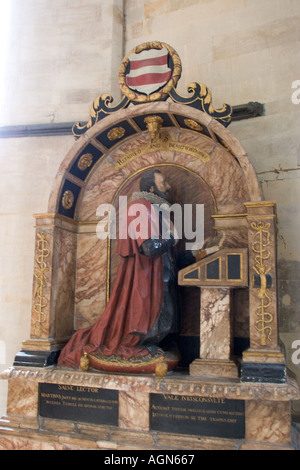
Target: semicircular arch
point(118, 146)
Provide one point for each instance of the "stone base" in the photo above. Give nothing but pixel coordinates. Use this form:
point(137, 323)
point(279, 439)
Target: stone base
point(267, 356)
point(36, 358)
point(261, 372)
point(266, 417)
point(263, 366)
point(39, 353)
point(213, 368)
point(51, 434)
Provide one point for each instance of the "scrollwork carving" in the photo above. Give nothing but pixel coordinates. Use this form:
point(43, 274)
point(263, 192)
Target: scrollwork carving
point(260, 244)
point(41, 268)
point(99, 110)
point(201, 99)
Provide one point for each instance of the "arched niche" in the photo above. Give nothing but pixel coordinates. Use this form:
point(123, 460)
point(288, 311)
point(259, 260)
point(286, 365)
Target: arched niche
point(205, 163)
point(234, 177)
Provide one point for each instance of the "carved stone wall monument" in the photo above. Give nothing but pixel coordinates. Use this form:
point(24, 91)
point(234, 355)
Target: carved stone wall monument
point(234, 391)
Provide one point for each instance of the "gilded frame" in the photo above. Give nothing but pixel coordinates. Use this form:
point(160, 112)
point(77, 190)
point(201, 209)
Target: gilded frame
point(162, 94)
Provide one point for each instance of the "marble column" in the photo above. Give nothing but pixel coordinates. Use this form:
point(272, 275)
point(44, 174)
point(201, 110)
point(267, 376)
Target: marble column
point(215, 335)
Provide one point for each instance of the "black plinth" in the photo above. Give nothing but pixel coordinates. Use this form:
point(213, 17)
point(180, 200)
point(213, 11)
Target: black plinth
point(36, 358)
point(263, 373)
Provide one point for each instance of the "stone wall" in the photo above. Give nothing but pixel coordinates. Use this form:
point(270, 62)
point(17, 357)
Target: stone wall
point(245, 51)
point(63, 54)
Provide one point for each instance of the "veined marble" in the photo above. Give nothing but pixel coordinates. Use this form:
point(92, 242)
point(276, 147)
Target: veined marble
point(215, 324)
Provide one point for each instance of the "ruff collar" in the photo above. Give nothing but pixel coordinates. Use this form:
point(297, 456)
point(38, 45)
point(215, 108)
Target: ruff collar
point(150, 197)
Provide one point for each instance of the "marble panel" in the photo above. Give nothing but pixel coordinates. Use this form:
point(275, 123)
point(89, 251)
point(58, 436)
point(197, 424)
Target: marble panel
point(268, 421)
point(229, 185)
point(100, 189)
point(22, 397)
point(134, 410)
point(188, 161)
point(19, 443)
point(235, 238)
point(63, 283)
point(215, 324)
point(242, 158)
point(91, 272)
point(198, 140)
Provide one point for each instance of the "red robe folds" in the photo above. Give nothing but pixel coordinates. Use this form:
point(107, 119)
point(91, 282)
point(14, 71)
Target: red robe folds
point(134, 304)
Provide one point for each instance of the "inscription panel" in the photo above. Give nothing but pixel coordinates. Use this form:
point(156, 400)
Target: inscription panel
point(202, 416)
point(79, 403)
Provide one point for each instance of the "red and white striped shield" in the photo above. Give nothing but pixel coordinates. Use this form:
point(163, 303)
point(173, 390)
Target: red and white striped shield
point(149, 71)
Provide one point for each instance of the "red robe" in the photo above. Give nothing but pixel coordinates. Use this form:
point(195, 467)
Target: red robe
point(134, 304)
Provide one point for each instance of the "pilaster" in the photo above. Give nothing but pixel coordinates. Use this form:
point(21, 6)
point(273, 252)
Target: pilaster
point(264, 360)
point(53, 290)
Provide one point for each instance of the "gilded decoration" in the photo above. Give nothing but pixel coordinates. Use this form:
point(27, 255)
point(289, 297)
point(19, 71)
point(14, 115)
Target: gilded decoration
point(160, 141)
point(154, 124)
point(201, 98)
point(147, 364)
point(116, 133)
point(99, 110)
point(229, 150)
point(85, 362)
point(161, 94)
point(194, 125)
point(260, 244)
point(167, 64)
point(85, 161)
point(41, 268)
point(67, 199)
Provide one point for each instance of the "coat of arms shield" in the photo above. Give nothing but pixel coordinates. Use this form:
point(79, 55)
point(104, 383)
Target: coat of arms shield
point(148, 71)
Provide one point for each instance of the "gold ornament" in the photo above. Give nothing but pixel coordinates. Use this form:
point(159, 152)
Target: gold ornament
point(116, 133)
point(161, 369)
point(154, 124)
point(85, 362)
point(42, 267)
point(193, 125)
point(260, 244)
point(85, 161)
point(67, 199)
